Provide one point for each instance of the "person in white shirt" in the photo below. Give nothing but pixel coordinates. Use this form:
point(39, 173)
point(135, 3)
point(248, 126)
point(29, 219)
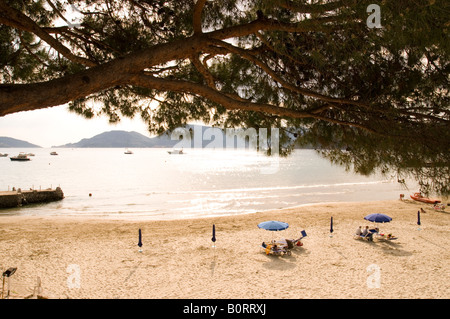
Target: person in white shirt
point(359, 231)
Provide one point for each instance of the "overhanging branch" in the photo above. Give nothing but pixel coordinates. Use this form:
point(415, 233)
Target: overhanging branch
point(248, 56)
point(197, 17)
point(16, 19)
point(232, 103)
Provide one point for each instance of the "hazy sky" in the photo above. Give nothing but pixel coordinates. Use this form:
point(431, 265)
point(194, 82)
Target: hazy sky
point(56, 126)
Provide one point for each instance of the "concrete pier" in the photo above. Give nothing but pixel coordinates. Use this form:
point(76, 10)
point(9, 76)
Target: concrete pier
point(17, 198)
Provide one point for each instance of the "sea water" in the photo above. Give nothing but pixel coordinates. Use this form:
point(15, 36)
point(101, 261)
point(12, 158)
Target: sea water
point(153, 184)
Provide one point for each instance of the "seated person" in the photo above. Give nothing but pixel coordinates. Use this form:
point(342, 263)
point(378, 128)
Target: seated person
point(268, 249)
point(366, 233)
point(289, 243)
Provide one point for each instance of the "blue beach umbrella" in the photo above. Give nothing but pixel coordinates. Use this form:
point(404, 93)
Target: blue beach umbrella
point(378, 218)
point(273, 225)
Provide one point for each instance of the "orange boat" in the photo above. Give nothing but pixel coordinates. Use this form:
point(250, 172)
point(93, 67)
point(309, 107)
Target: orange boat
point(420, 198)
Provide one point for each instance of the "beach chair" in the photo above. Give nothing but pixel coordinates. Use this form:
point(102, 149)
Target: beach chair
point(298, 240)
point(375, 233)
point(368, 237)
point(289, 244)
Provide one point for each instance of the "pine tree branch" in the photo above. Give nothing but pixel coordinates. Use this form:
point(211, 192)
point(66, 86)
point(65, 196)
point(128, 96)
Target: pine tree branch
point(197, 17)
point(16, 19)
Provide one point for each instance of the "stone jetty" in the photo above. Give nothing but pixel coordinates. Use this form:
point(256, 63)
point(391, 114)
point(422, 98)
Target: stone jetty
point(17, 198)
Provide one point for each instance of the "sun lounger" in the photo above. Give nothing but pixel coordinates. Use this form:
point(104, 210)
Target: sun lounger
point(380, 236)
point(291, 243)
point(385, 237)
point(284, 246)
point(374, 234)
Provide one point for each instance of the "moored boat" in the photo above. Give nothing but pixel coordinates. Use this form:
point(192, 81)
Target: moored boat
point(21, 157)
point(53, 153)
point(418, 197)
point(3, 155)
point(175, 152)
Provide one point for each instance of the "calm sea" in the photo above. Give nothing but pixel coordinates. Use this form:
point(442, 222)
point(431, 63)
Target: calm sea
point(152, 184)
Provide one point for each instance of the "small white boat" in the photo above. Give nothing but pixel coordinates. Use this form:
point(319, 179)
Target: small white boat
point(3, 155)
point(176, 152)
point(53, 153)
point(128, 152)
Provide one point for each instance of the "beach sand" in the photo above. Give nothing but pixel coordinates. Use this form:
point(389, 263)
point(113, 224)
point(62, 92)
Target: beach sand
point(99, 258)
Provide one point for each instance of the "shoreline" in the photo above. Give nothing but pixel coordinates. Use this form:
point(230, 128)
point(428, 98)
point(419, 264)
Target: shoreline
point(143, 217)
point(130, 216)
point(178, 261)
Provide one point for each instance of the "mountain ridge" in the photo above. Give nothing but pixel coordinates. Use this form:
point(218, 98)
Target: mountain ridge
point(132, 139)
point(9, 142)
point(119, 138)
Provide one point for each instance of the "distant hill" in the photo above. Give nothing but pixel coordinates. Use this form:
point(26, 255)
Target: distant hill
point(124, 139)
point(6, 142)
point(121, 139)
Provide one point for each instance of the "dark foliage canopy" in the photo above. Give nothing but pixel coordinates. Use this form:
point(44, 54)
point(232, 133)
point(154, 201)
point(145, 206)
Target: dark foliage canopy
point(373, 99)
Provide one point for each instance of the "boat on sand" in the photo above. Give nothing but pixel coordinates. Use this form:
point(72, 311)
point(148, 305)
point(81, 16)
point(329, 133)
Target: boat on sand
point(418, 197)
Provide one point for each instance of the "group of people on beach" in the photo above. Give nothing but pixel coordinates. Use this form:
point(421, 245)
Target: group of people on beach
point(366, 232)
point(282, 247)
point(274, 249)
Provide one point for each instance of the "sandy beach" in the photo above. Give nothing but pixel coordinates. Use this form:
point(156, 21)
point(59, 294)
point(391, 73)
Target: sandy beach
point(99, 258)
